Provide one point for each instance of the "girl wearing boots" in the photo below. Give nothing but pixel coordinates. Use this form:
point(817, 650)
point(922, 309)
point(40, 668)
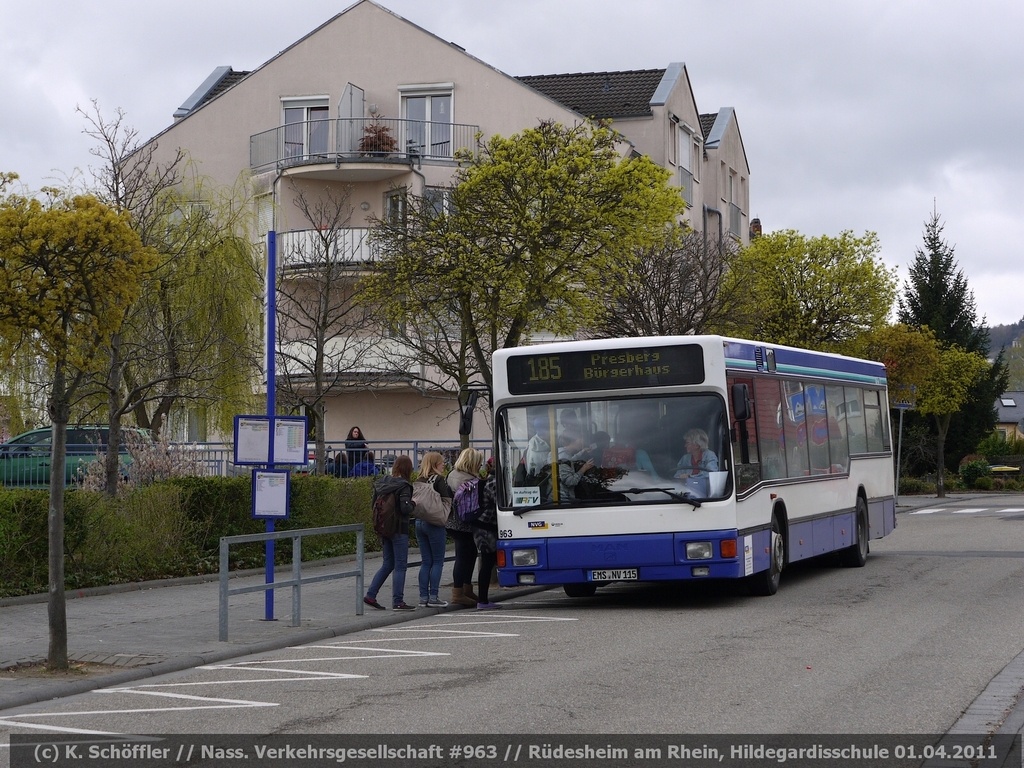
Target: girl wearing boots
point(467, 467)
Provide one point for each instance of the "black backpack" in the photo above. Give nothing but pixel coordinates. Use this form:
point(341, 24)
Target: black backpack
point(386, 519)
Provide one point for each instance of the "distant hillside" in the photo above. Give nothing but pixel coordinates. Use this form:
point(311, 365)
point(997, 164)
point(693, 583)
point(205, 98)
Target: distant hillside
point(1004, 335)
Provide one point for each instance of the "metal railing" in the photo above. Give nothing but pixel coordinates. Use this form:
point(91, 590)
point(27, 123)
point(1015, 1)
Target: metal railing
point(217, 459)
point(297, 580)
point(686, 184)
point(348, 245)
point(359, 139)
point(735, 219)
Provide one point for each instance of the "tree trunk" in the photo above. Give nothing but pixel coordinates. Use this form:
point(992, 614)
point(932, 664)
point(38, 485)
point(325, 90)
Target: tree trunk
point(942, 426)
point(112, 461)
point(58, 408)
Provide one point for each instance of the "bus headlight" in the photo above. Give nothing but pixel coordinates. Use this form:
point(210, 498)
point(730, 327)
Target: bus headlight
point(698, 550)
point(524, 557)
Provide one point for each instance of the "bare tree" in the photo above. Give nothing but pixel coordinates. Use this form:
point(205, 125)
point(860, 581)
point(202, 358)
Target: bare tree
point(197, 316)
point(676, 289)
point(327, 340)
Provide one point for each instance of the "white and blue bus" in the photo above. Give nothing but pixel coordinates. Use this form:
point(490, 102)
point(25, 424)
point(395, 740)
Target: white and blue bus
point(686, 458)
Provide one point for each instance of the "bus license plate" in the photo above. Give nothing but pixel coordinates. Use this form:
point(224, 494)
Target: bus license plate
point(615, 574)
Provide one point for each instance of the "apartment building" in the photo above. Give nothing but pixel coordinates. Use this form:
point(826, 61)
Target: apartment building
point(370, 104)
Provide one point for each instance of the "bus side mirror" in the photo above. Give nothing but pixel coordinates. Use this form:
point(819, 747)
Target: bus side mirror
point(740, 402)
point(466, 416)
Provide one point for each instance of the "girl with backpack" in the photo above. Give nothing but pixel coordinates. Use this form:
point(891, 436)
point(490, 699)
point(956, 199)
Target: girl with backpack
point(485, 534)
point(467, 468)
point(395, 547)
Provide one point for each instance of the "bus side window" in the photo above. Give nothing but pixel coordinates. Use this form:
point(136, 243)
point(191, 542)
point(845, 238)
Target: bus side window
point(745, 454)
point(838, 446)
point(873, 421)
point(768, 407)
point(852, 417)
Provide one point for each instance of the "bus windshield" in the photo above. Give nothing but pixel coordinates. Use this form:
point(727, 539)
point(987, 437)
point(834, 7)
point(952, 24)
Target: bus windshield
point(614, 451)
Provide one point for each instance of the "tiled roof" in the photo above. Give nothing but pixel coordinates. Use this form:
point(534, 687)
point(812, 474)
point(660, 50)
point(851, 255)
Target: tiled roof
point(707, 122)
point(601, 94)
point(1010, 408)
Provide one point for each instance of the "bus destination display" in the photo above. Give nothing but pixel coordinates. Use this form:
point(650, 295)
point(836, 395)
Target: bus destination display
point(606, 369)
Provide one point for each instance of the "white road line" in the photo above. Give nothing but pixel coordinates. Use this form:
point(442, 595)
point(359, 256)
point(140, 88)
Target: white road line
point(490, 621)
point(382, 653)
point(925, 511)
point(40, 727)
point(969, 510)
point(434, 634)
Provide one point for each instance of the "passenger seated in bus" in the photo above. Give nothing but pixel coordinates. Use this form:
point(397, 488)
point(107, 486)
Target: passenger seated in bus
point(570, 473)
point(570, 427)
point(538, 451)
point(698, 460)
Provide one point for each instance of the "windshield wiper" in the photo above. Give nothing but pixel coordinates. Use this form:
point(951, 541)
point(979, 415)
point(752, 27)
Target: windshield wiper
point(668, 491)
point(549, 505)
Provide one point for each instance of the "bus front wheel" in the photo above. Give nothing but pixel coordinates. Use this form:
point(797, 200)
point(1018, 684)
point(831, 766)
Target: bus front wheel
point(586, 589)
point(766, 582)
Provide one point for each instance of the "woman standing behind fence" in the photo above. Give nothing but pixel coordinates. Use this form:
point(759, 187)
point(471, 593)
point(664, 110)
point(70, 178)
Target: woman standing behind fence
point(355, 446)
point(467, 467)
point(396, 549)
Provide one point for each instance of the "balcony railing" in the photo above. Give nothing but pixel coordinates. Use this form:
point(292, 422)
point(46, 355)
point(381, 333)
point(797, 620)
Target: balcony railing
point(359, 139)
point(306, 248)
point(735, 220)
point(686, 183)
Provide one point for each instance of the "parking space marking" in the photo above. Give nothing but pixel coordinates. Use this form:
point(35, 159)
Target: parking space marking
point(9, 720)
point(286, 670)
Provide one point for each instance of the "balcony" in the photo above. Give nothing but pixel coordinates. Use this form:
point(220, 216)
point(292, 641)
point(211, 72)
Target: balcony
point(360, 141)
point(304, 248)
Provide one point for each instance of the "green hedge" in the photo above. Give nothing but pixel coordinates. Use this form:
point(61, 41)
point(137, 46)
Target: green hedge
point(169, 529)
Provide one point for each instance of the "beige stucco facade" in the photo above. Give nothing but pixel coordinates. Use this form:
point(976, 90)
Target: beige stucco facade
point(368, 64)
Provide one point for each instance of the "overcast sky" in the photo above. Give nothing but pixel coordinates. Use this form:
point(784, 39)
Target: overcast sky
point(860, 116)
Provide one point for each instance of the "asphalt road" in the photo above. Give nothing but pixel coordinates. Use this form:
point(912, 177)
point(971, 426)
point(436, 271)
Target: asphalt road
point(904, 645)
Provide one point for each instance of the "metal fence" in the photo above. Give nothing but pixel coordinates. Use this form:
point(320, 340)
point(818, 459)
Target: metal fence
point(359, 139)
point(217, 459)
point(297, 579)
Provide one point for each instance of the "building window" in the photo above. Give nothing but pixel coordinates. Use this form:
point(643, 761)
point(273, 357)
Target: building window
point(264, 216)
point(436, 201)
point(307, 127)
point(394, 207)
point(687, 152)
point(695, 153)
point(428, 114)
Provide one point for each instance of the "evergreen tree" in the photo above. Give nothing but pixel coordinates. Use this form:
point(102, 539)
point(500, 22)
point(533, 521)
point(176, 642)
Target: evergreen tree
point(937, 296)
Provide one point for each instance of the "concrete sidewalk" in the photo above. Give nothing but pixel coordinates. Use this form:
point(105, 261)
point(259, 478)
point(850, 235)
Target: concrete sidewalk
point(143, 630)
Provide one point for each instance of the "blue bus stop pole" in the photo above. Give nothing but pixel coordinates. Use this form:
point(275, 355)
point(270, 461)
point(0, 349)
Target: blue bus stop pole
point(271, 403)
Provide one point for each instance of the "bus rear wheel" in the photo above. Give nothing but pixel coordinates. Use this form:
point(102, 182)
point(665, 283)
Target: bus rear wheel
point(856, 555)
point(586, 589)
point(766, 582)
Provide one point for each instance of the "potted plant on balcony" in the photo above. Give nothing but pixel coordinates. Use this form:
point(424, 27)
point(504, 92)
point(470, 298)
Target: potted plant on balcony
point(377, 140)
